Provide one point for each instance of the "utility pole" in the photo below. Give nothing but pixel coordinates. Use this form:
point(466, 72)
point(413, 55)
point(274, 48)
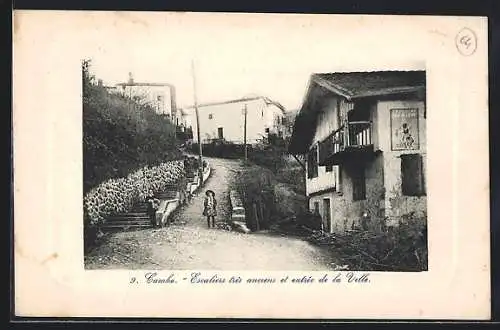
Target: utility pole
point(200, 157)
point(245, 111)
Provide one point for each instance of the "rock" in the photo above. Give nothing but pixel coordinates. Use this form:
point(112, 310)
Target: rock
point(241, 227)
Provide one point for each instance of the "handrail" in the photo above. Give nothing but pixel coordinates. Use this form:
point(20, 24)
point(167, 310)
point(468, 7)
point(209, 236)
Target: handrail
point(344, 131)
point(359, 122)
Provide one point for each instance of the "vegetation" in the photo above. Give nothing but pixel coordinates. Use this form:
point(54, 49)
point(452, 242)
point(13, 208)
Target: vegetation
point(129, 152)
point(272, 186)
point(120, 134)
point(403, 248)
point(220, 149)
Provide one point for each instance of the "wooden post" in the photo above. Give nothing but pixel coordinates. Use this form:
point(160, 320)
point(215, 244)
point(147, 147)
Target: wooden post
point(245, 111)
point(200, 156)
point(257, 225)
point(262, 217)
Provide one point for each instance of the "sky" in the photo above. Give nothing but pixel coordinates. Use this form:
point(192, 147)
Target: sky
point(234, 55)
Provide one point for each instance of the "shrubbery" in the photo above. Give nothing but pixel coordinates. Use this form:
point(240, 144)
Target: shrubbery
point(255, 186)
point(403, 248)
point(222, 149)
point(119, 195)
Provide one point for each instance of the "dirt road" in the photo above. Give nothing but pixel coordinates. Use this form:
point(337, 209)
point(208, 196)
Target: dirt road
point(189, 244)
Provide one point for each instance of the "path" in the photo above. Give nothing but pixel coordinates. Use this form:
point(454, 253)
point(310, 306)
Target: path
point(189, 244)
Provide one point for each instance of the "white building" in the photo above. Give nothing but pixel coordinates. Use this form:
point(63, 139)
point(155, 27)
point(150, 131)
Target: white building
point(161, 96)
point(225, 120)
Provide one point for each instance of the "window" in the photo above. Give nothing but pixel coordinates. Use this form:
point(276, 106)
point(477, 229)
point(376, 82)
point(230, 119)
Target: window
point(358, 183)
point(329, 168)
point(210, 116)
point(312, 163)
point(412, 175)
point(267, 130)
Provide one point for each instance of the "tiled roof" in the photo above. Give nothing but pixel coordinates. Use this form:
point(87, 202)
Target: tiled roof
point(361, 84)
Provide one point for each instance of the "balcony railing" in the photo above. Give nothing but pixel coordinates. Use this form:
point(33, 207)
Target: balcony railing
point(355, 135)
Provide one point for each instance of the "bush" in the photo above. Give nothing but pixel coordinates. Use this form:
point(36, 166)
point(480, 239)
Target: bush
point(255, 185)
point(309, 220)
point(120, 135)
point(403, 248)
point(119, 195)
point(293, 176)
point(269, 156)
point(221, 149)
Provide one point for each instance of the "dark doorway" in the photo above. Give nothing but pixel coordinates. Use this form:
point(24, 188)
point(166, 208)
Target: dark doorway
point(220, 132)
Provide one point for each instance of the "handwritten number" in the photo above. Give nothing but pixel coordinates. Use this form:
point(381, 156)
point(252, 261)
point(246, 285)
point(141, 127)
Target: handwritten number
point(133, 280)
point(466, 41)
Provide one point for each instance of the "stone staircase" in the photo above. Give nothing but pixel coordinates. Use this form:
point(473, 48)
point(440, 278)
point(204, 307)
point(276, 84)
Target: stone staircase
point(170, 199)
point(138, 217)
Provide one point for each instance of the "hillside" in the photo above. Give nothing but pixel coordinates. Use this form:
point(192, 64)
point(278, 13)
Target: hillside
point(120, 134)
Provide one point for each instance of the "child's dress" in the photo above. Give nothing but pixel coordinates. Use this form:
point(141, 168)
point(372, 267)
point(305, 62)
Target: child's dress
point(210, 209)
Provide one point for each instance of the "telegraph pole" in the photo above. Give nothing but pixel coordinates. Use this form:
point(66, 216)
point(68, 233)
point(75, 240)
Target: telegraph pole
point(245, 131)
point(200, 157)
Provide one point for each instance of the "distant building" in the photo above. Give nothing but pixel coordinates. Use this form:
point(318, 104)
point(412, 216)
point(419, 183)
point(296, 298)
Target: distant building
point(364, 138)
point(161, 96)
point(225, 120)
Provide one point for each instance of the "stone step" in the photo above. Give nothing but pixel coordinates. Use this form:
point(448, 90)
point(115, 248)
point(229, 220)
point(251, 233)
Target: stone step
point(127, 219)
point(167, 195)
point(127, 226)
point(128, 222)
point(139, 215)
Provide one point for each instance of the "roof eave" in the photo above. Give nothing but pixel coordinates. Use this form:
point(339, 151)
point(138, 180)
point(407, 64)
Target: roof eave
point(332, 87)
point(398, 91)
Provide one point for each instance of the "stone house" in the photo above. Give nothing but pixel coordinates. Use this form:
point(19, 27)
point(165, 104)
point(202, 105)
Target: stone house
point(363, 135)
point(225, 120)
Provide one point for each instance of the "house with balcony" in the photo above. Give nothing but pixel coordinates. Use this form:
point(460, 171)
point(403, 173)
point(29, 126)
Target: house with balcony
point(363, 135)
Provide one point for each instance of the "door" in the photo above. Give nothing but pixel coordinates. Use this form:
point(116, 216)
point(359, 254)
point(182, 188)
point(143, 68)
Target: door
point(220, 132)
point(327, 215)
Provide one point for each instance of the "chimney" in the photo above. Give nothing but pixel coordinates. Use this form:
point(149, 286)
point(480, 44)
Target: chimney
point(130, 78)
point(99, 82)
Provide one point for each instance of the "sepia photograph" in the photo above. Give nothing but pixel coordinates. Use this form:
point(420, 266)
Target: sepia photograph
point(163, 158)
point(328, 176)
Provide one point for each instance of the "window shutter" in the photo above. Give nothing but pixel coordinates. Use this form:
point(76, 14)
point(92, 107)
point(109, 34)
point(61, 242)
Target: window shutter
point(412, 178)
point(359, 183)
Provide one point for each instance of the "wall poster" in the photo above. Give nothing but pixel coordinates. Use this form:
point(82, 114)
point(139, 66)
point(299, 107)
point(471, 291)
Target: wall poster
point(404, 129)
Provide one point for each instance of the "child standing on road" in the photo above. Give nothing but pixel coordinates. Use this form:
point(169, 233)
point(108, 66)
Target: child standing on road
point(210, 208)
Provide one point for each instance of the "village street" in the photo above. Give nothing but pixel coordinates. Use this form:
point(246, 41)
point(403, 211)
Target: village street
point(189, 244)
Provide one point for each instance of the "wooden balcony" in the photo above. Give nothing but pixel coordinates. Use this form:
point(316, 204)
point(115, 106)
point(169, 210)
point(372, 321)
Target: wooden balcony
point(355, 138)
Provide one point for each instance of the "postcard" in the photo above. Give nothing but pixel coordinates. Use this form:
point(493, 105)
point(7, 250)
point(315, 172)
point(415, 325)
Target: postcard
point(243, 165)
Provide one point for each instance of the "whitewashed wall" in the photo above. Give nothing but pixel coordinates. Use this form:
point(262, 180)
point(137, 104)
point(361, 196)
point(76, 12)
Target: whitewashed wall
point(230, 117)
point(150, 94)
